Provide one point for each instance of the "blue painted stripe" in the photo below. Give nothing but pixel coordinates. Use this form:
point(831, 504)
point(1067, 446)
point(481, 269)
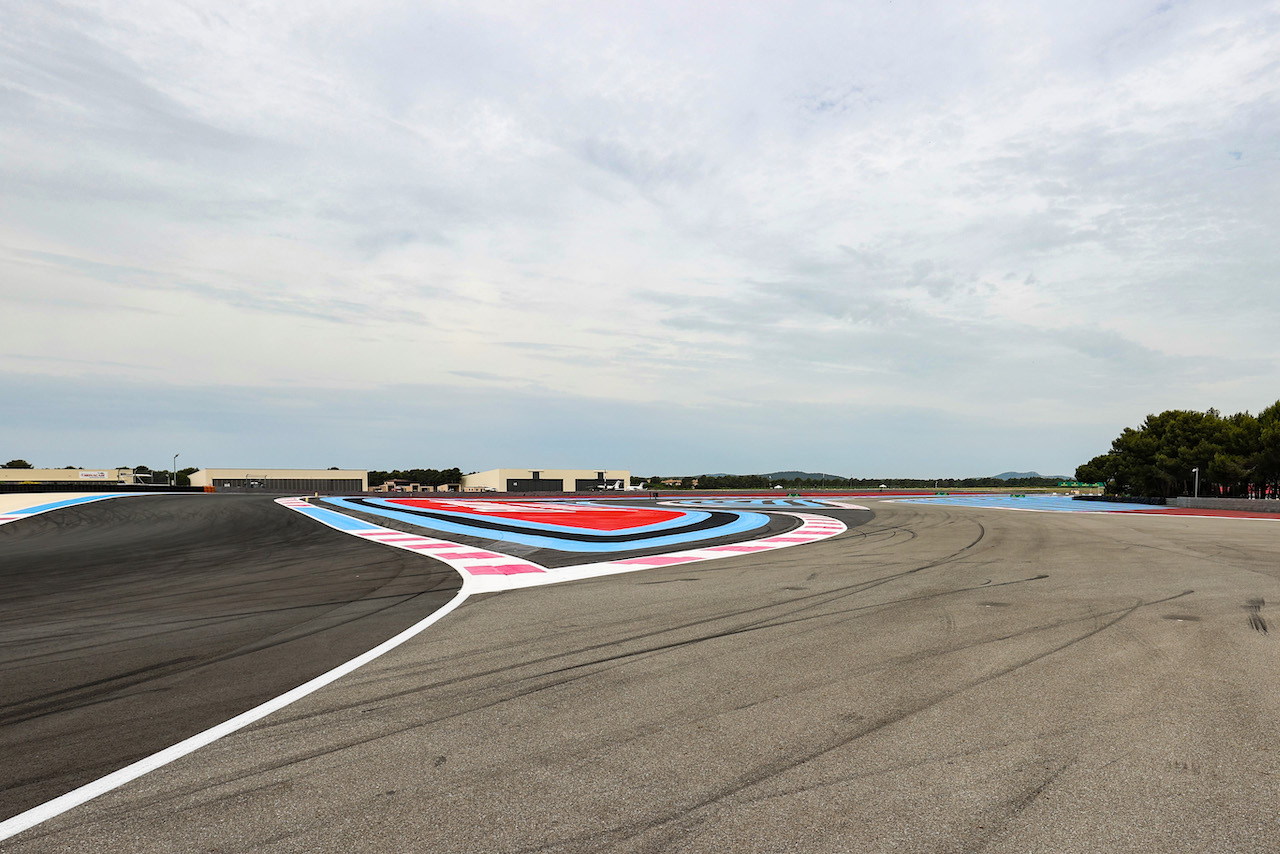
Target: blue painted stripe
point(763, 503)
point(744, 522)
point(67, 502)
point(341, 521)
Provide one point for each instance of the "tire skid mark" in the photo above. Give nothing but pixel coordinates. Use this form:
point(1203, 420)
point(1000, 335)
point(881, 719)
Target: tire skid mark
point(601, 666)
point(811, 601)
point(1257, 622)
point(999, 817)
point(104, 690)
point(189, 622)
point(1033, 738)
point(609, 663)
point(687, 818)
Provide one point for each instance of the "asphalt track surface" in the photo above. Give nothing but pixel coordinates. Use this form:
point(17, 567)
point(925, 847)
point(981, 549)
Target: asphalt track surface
point(936, 679)
point(129, 624)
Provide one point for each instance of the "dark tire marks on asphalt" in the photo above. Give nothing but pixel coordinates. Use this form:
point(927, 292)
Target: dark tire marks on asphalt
point(660, 833)
point(130, 624)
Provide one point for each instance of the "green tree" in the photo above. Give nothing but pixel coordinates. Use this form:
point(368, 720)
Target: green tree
point(1267, 454)
point(17, 464)
point(1235, 455)
point(1100, 469)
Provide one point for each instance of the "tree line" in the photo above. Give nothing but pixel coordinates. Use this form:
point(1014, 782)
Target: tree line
point(759, 481)
point(1238, 456)
point(426, 477)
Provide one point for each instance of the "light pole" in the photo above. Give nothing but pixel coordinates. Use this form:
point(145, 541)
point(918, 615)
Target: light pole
point(173, 476)
point(1196, 471)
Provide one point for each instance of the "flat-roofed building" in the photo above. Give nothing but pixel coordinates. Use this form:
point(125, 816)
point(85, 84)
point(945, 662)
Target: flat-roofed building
point(398, 485)
point(72, 476)
point(545, 480)
point(283, 480)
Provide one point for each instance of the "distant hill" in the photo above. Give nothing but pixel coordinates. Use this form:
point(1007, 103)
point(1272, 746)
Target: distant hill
point(1014, 475)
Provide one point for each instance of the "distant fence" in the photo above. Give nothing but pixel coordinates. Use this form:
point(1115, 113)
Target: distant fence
point(1121, 499)
point(92, 486)
point(1252, 505)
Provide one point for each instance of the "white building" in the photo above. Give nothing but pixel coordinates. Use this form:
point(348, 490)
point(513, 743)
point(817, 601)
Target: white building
point(71, 476)
point(545, 480)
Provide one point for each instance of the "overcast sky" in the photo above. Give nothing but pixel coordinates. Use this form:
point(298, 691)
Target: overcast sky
point(872, 238)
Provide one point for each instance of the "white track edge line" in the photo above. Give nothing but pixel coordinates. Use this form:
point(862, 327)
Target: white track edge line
point(61, 804)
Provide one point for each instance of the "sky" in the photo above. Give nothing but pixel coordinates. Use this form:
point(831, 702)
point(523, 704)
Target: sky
point(888, 238)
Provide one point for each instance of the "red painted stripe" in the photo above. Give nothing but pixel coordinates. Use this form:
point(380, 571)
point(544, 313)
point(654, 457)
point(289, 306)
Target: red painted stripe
point(653, 561)
point(1189, 511)
point(503, 569)
point(592, 518)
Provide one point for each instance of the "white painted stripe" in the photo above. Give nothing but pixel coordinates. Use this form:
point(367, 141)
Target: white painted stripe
point(89, 791)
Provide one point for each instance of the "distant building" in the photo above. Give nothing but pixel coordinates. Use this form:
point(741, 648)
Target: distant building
point(546, 480)
point(283, 480)
point(68, 477)
point(395, 485)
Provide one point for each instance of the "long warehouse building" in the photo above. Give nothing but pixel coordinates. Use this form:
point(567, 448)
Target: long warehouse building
point(545, 480)
point(283, 480)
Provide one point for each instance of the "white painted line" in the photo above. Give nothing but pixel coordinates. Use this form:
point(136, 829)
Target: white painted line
point(89, 791)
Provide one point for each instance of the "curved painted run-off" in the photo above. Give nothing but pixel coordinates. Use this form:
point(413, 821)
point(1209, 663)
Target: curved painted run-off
point(486, 571)
point(538, 526)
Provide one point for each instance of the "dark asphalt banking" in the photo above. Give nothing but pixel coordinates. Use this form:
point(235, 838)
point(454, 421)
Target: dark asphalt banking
point(129, 624)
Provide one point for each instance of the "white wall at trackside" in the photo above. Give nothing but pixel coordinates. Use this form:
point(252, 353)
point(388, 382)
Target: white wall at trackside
point(23, 500)
point(542, 480)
